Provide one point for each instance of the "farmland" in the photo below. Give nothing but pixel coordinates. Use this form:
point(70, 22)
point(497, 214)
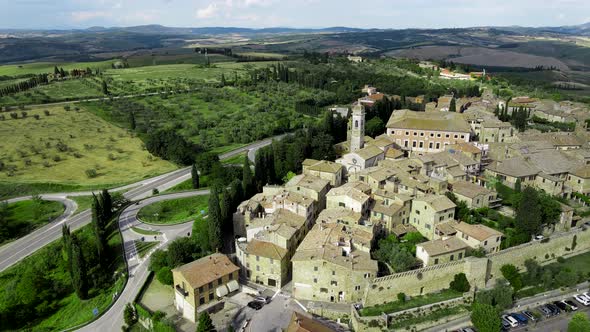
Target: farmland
point(71, 147)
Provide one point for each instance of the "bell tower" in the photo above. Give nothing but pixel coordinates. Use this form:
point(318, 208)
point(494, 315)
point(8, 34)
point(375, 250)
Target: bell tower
point(357, 130)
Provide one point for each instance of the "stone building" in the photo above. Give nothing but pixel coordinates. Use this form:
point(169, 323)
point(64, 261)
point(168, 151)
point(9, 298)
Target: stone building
point(202, 282)
point(327, 170)
point(475, 196)
point(420, 132)
point(333, 264)
point(310, 186)
point(352, 195)
point(429, 211)
point(441, 251)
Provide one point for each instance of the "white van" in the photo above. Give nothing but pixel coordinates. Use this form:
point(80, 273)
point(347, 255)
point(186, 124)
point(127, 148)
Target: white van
point(513, 322)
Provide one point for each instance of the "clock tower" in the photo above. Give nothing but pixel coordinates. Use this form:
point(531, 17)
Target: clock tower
point(357, 130)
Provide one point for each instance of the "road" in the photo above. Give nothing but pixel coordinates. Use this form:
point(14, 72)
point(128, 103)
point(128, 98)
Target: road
point(112, 320)
point(15, 251)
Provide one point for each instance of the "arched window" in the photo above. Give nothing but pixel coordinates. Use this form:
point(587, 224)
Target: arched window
point(356, 123)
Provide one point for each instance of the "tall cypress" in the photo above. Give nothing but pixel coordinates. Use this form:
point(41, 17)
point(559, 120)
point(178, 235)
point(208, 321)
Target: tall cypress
point(78, 270)
point(99, 232)
point(226, 207)
point(195, 176)
point(214, 220)
point(107, 205)
point(528, 214)
point(247, 179)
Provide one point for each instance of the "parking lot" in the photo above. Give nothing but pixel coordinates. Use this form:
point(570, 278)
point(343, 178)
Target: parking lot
point(551, 316)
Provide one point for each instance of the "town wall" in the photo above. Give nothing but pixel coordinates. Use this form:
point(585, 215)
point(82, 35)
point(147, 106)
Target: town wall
point(479, 271)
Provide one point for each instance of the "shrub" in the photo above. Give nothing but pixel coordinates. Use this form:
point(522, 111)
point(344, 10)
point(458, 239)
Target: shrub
point(560, 260)
point(37, 116)
point(47, 113)
point(164, 275)
point(401, 297)
point(460, 283)
point(91, 173)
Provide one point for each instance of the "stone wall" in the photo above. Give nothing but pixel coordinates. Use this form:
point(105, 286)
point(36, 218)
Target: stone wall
point(479, 271)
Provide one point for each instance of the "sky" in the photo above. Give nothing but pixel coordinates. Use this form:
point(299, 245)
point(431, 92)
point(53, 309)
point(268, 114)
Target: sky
point(60, 14)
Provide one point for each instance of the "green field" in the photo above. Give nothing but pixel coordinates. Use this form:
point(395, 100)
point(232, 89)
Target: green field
point(235, 160)
point(48, 67)
point(65, 146)
point(83, 202)
point(175, 211)
point(144, 247)
point(21, 218)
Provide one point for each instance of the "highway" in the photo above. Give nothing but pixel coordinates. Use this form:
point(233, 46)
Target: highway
point(15, 251)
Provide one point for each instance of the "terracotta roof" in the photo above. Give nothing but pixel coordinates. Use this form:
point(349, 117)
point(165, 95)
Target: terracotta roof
point(207, 269)
point(464, 147)
point(376, 96)
point(302, 323)
point(477, 231)
point(441, 247)
point(265, 249)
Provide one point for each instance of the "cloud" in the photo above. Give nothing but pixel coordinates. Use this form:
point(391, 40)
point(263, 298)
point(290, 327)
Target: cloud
point(82, 16)
point(207, 12)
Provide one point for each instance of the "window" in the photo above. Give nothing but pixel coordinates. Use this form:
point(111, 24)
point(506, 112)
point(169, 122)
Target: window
point(202, 300)
point(447, 135)
point(367, 275)
point(438, 135)
point(356, 123)
point(219, 281)
point(437, 145)
point(333, 283)
point(455, 137)
point(485, 243)
point(357, 288)
point(258, 258)
point(417, 211)
point(430, 145)
point(231, 276)
point(415, 134)
point(462, 136)
point(498, 239)
point(427, 226)
point(257, 268)
point(341, 204)
point(406, 144)
point(441, 218)
point(210, 285)
point(413, 144)
point(333, 273)
point(435, 261)
point(201, 289)
point(315, 280)
point(452, 258)
point(421, 144)
point(460, 255)
point(407, 133)
point(422, 134)
point(315, 268)
point(211, 296)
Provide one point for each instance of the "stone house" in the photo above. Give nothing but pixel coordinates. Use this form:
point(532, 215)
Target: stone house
point(441, 251)
point(202, 282)
point(429, 211)
point(475, 196)
point(351, 196)
point(310, 186)
point(478, 236)
point(326, 170)
point(579, 180)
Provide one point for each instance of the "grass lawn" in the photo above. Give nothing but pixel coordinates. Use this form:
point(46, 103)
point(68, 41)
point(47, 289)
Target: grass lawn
point(62, 147)
point(84, 202)
point(144, 231)
point(235, 160)
point(416, 301)
point(187, 185)
point(227, 148)
point(25, 216)
point(143, 247)
point(175, 211)
point(157, 296)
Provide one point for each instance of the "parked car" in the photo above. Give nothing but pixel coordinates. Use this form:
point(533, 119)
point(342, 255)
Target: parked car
point(522, 320)
point(571, 305)
point(513, 322)
point(255, 305)
point(546, 311)
point(587, 295)
point(561, 305)
point(263, 299)
point(529, 315)
point(505, 325)
point(582, 299)
point(554, 309)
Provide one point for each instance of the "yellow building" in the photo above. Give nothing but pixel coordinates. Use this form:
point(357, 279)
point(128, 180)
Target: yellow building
point(441, 251)
point(203, 281)
point(429, 211)
point(327, 170)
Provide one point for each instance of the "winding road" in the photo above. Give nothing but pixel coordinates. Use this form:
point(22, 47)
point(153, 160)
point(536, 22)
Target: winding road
point(15, 251)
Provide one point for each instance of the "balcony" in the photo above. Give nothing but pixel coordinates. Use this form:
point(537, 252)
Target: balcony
point(181, 291)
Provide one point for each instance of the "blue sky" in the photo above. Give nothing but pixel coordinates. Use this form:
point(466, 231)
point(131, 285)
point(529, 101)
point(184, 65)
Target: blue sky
point(292, 13)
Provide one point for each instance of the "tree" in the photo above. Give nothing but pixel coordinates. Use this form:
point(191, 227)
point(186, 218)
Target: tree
point(518, 186)
point(528, 214)
point(78, 270)
point(579, 323)
point(130, 315)
point(164, 275)
point(374, 127)
point(205, 323)
point(107, 205)
point(105, 88)
point(460, 283)
point(226, 210)
point(98, 223)
point(401, 297)
point(214, 220)
point(510, 272)
point(195, 176)
point(247, 178)
point(67, 241)
point(452, 106)
point(485, 318)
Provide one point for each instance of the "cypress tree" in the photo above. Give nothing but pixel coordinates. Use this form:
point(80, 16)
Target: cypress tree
point(78, 270)
point(107, 206)
point(453, 106)
point(214, 220)
point(226, 209)
point(195, 176)
point(66, 239)
point(98, 225)
point(528, 214)
point(132, 124)
point(105, 88)
point(205, 323)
